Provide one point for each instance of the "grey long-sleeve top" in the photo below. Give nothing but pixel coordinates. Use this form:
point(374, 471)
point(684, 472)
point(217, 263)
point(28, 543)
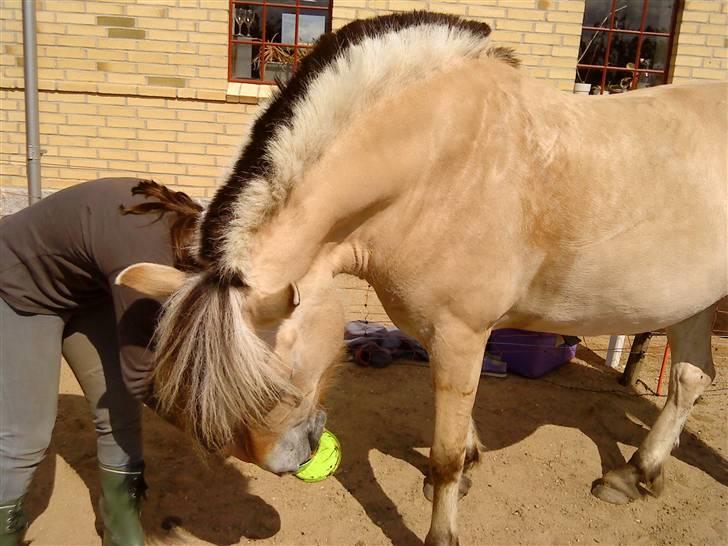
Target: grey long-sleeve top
point(62, 255)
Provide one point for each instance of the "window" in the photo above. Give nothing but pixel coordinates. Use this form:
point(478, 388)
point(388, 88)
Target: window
point(269, 37)
point(626, 44)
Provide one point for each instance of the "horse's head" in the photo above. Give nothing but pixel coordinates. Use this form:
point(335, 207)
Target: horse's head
point(242, 371)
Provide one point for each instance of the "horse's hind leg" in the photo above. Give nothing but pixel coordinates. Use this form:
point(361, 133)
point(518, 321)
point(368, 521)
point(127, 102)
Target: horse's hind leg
point(691, 372)
point(456, 354)
point(473, 450)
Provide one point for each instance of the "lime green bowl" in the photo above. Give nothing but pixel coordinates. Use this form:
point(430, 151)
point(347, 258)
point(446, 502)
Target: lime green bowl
point(324, 462)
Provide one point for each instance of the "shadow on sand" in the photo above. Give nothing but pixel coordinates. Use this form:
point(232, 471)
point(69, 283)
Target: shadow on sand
point(183, 488)
point(583, 397)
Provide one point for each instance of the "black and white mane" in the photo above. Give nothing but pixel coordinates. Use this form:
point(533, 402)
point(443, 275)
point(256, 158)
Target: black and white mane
point(345, 73)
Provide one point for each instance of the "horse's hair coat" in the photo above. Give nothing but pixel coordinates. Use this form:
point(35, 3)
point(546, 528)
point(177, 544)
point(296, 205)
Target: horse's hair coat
point(212, 370)
point(345, 74)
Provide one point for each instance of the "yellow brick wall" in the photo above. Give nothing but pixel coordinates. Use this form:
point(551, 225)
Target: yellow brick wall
point(182, 143)
point(139, 87)
point(701, 48)
point(161, 48)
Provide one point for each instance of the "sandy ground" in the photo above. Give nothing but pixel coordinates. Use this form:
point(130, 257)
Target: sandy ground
point(546, 440)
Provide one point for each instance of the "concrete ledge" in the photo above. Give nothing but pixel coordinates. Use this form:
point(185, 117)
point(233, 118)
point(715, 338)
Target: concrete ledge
point(248, 93)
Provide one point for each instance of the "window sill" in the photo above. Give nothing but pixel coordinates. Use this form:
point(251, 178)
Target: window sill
point(248, 93)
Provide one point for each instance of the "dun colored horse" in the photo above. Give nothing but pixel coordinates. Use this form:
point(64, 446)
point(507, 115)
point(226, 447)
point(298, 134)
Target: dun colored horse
point(410, 153)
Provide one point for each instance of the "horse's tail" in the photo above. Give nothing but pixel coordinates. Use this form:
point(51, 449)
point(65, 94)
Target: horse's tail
point(213, 373)
point(187, 214)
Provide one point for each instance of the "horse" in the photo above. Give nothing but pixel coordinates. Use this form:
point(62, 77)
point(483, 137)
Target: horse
point(411, 153)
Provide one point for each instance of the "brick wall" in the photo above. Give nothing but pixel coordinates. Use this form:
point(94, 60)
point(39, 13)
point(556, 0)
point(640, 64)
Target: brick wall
point(160, 48)
point(139, 87)
point(182, 143)
point(701, 48)
point(127, 88)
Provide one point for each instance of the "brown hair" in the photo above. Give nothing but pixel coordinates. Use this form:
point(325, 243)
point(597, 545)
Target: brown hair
point(186, 216)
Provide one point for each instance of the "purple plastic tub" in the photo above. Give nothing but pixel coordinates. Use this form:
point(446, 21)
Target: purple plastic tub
point(530, 354)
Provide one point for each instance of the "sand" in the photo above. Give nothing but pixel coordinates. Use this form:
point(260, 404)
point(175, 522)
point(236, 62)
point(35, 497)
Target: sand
point(546, 441)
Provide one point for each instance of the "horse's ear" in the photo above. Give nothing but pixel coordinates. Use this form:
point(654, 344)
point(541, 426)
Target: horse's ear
point(156, 280)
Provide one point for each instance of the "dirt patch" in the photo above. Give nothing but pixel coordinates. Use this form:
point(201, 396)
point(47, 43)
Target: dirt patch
point(547, 440)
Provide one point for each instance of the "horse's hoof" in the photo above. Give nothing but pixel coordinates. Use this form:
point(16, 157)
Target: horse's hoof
point(618, 486)
point(607, 493)
point(447, 540)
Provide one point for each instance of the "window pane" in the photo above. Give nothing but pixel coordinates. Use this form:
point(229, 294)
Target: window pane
point(592, 76)
point(242, 61)
point(593, 47)
point(304, 3)
point(247, 21)
point(654, 52)
point(628, 14)
point(652, 55)
point(278, 71)
point(623, 50)
point(312, 24)
point(650, 80)
point(596, 13)
point(659, 15)
point(618, 81)
point(273, 31)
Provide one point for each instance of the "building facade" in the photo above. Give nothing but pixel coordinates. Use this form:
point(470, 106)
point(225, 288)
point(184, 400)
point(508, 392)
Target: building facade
point(142, 87)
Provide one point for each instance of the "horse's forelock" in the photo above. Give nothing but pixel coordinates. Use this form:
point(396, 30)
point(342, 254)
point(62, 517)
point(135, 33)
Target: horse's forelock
point(211, 366)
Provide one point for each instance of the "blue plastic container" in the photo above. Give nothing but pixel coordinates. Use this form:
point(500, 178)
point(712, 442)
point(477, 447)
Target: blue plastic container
point(530, 354)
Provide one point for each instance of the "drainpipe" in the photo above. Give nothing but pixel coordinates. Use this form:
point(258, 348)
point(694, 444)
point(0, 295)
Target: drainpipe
point(32, 116)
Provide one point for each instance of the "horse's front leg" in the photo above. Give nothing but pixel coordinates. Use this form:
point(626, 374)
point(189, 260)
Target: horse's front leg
point(456, 355)
point(691, 372)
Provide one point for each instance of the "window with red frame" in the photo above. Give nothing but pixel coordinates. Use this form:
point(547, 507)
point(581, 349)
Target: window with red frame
point(626, 44)
point(268, 38)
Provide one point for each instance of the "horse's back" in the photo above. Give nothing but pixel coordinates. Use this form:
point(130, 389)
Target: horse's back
point(642, 243)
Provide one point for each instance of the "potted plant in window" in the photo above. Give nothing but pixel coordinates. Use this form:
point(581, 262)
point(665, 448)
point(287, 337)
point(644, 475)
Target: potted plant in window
point(278, 61)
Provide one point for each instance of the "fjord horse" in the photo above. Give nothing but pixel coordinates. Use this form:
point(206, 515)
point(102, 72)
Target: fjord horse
point(408, 152)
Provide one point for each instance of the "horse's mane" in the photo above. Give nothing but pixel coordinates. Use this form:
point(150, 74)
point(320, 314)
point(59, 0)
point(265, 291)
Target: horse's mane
point(345, 72)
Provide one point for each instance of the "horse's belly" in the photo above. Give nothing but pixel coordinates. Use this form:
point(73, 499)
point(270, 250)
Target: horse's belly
point(622, 298)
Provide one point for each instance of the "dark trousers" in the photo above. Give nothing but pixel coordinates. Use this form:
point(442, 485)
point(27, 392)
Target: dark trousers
point(30, 360)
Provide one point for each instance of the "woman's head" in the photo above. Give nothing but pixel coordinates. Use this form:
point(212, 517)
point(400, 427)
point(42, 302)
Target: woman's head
point(186, 216)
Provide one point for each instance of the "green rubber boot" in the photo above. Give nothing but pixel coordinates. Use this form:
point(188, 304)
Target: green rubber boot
point(120, 505)
point(12, 522)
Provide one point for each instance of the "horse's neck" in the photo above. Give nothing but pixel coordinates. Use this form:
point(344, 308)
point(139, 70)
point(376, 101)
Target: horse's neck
point(404, 149)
